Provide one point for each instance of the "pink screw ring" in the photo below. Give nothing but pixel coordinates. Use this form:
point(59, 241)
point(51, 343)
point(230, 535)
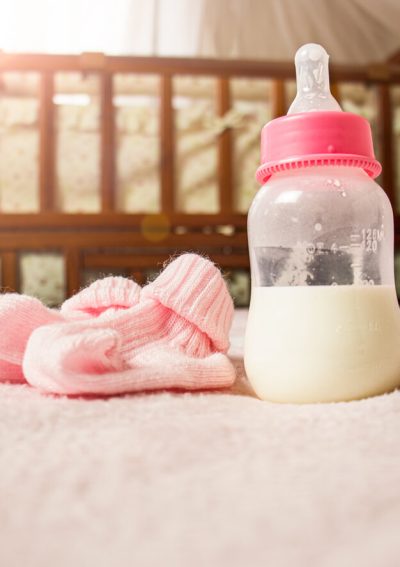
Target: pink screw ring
point(317, 138)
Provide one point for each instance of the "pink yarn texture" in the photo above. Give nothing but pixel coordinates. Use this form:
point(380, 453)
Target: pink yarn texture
point(115, 337)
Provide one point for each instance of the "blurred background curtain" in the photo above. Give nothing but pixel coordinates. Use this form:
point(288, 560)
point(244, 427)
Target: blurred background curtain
point(356, 31)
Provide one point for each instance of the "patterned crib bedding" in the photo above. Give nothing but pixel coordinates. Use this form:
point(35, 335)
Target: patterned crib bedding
point(77, 126)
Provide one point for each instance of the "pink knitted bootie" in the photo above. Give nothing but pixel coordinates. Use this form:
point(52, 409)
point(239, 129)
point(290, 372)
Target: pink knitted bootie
point(172, 337)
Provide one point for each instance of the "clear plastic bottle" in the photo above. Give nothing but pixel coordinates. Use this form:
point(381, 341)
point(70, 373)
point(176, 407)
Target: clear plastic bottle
point(324, 322)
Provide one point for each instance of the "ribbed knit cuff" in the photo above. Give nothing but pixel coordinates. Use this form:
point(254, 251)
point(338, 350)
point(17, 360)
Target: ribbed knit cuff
point(194, 288)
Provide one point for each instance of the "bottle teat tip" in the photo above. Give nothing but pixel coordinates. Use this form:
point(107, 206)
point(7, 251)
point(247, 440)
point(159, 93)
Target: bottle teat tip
point(312, 74)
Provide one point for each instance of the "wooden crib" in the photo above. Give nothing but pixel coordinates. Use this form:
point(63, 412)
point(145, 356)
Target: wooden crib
point(133, 243)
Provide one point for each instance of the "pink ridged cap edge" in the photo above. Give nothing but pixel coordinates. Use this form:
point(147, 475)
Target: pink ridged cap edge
point(316, 138)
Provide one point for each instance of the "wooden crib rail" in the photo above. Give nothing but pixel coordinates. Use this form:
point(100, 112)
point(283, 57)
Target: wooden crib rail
point(117, 241)
point(107, 66)
point(111, 239)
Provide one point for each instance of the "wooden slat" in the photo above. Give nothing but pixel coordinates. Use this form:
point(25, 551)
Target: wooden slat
point(278, 98)
point(191, 66)
point(56, 221)
point(72, 270)
point(397, 232)
point(47, 144)
point(386, 139)
point(92, 61)
point(127, 261)
point(138, 277)
point(336, 91)
point(9, 271)
point(140, 262)
point(167, 145)
point(225, 176)
point(107, 144)
point(31, 240)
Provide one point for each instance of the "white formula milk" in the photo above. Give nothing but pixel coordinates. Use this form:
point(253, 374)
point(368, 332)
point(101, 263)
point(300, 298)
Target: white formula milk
point(323, 343)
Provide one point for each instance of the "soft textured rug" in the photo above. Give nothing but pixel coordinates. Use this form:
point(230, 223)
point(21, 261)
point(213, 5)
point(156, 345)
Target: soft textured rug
point(205, 479)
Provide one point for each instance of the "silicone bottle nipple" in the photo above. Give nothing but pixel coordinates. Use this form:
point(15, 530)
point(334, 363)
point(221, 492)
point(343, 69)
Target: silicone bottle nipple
point(312, 75)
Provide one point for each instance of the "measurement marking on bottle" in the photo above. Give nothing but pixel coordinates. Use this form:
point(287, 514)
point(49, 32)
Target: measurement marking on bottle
point(370, 239)
point(355, 236)
point(344, 247)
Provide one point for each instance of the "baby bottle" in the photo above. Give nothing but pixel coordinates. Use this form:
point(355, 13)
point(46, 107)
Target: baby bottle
point(324, 322)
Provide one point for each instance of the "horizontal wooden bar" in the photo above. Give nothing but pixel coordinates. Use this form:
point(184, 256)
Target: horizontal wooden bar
point(111, 220)
point(141, 261)
point(173, 65)
point(130, 261)
point(51, 240)
point(52, 228)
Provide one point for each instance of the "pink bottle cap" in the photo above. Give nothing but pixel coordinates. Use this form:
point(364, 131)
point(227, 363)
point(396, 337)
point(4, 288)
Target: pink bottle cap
point(317, 138)
point(315, 131)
